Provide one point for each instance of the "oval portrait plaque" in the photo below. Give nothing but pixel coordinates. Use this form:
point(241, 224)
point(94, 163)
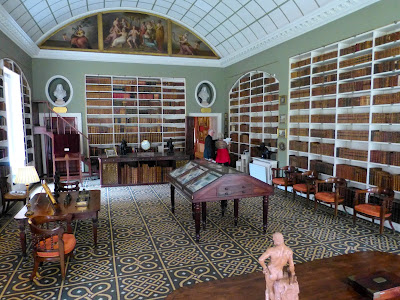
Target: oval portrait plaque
point(59, 90)
point(205, 93)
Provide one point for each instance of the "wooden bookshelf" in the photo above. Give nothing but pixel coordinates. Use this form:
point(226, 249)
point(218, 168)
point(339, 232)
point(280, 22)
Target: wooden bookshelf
point(134, 108)
point(344, 114)
point(253, 113)
point(26, 118)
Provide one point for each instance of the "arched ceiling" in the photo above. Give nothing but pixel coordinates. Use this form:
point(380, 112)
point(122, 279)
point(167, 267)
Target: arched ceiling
point(229, 26)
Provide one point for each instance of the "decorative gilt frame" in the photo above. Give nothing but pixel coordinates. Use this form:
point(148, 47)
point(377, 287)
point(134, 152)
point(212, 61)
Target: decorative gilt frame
point(281, 133)
point(282, 99)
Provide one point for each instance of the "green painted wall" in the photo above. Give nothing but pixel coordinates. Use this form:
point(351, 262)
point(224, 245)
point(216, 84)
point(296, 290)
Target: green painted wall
point(8, 49)
point(276, 60)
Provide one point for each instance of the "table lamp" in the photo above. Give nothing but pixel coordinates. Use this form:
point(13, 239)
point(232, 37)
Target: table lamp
point(27, 175)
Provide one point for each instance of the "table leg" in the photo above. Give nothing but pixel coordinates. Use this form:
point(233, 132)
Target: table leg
point(95, 225)
point(236, 211)
point(22, 235)
point(265, 213)
point(224, 205)
point(197, 220)
point(204, 214)
point(172, 199)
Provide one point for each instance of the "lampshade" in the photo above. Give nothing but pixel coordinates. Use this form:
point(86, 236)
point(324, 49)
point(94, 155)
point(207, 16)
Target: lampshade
point(26, 175)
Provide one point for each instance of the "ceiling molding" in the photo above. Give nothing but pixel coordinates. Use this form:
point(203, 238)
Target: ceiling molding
point(322, 16)
point(128, 58)
point(11, 29)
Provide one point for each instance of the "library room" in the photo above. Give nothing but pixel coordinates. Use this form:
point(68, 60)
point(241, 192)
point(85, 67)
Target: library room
point(200, 149)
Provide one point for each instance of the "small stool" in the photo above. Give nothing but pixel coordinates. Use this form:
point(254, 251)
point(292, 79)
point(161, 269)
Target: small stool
point(13, 196)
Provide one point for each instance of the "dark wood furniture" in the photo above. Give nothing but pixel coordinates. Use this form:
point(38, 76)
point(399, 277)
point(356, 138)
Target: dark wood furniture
point(319, 279)
point(41, 206)
point(137, 168)
point(284, 176)
point(68, 186)
point(379, 206)
point(50, 241)
point(305, 183)
point(203, 181)
point(331, 191)
point(8, 196)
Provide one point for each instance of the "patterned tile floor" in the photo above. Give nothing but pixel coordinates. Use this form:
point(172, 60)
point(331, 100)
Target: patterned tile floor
point(145, 252)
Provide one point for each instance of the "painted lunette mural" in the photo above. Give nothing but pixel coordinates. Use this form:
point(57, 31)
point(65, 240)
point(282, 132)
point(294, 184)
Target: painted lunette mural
point(129, 32)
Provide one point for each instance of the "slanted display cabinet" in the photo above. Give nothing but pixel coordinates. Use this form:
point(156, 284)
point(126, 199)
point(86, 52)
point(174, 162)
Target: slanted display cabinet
point(344, 115)
point(202, 181)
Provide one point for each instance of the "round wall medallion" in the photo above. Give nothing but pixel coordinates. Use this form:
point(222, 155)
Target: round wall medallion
point(59, 90)
point(205, 93)
point(282, 146)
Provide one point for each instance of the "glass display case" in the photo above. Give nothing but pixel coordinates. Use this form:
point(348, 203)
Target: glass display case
point(202, 181)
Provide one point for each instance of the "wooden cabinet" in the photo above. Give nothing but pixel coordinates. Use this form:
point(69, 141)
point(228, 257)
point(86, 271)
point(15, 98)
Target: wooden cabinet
point(134, 109)
point(344, 114)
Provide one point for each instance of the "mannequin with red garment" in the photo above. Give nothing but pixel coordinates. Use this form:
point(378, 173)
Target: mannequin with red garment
point(222, 152)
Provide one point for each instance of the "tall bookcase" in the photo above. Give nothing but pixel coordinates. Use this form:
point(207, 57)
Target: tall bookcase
point(27, 118)
point(253, 112)
point(134, 109)
point(344, 114)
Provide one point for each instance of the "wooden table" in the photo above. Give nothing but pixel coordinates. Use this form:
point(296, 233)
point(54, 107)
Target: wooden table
point(229, 184)
point(319, 279)
point(41, 207)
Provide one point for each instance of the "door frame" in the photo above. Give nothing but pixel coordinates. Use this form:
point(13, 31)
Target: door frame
point(218, 115)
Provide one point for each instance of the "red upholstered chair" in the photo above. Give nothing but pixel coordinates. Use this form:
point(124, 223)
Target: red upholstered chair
point(50, 242)
point(382, 210)
point(305, 183)
point(284, 176)
point(331, 191)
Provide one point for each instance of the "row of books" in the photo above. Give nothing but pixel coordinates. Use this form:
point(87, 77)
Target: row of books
point(358, 135)
point(257, 90)
point(322, 148)
point(298, 146)
point(173, 111)
point(102, 95)
point(271, 142)
point(352, 153)
point(387, 53)
point(98, 80)
point(323, 133)
point(383, 179)
point(356, 47)
point(3, 152)
point(270, 130)
point(2, 106)
point(125, 120)
point(324, 90)
point(387, 66)
point(300, 93)
point(174, 121)
point(128, 137)
point(271, 119)
point(244, 127)
point(150, 103)
point(101, 138)
point(325, 78)
point(150, 129)
point(353, 173)
point(174, 103)
point(385, 136)
point(149, 96)
point(258, 82)
point(385, 157)
point(301, 63)
point(173, 91)
point(387, 81)
point(255, 141)
point(386, 118)
point(173, 83)
point(124, 111)
point(321, 166)
point(256, 129)
point(387, 38)
point(354, 101)
point(174, 134)
point(299, 131)
point(125, 129)
point(300, 82)
point(325, 68)
point(95, 111)
point(173, 129)
point(100, 102)
point(355, 73)
point(298, 161)
point(146, 89)
point(300, 73)
point(99, 129)
point(124, 88)
point(91, 120)
point(393, 98)
point(355, 86)
point(356, 60)
point(300, 105)
point(325, 56)
point(99, 88)
point(323, 118)
point(299, 119)
point(151, 137)
point(353, 118)
point(271, 107)
point(150, 111)
point(324, 103)
point(245, 109)
point(244, 138)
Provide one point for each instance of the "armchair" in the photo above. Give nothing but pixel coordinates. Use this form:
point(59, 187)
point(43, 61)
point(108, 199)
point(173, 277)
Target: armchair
point(331, 191)
point(382, 210)
point(305, 183)
point(284, 176)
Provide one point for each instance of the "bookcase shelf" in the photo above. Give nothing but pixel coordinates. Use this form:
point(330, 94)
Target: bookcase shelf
point(134, 108)
point(353, 93)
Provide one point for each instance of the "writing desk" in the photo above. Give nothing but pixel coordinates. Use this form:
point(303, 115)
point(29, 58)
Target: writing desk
point(319, 279)
point(40, 205)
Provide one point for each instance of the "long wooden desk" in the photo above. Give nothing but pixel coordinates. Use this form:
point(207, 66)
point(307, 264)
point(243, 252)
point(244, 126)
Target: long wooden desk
point(127, 170)
point(41, 206)
point(319, 279)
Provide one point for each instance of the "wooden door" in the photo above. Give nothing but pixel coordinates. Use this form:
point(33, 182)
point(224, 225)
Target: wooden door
point(190, 122)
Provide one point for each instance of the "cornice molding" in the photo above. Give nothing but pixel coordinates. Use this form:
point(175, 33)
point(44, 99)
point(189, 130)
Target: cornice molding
point(16, 34)
point(320, 17)
point(128, 58)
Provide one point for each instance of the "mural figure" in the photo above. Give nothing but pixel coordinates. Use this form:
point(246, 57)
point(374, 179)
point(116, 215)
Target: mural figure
point(160, 36)
point(185, 47)
point(121, 39)
point(78, 39)
point(133, 37)
point(114, 32)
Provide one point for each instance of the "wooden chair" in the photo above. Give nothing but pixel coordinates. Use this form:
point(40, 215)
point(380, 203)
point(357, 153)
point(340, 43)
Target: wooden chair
point(284, 176)
point(331, 191)
point(305, 183)
point(68, 186)
point(8, 196)
point(381, 210)
point(51, 244)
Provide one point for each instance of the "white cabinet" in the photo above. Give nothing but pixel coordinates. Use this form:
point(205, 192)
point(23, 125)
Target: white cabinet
point(261, 169)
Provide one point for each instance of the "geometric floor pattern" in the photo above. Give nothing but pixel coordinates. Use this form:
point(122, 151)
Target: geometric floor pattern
point(145, 252)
